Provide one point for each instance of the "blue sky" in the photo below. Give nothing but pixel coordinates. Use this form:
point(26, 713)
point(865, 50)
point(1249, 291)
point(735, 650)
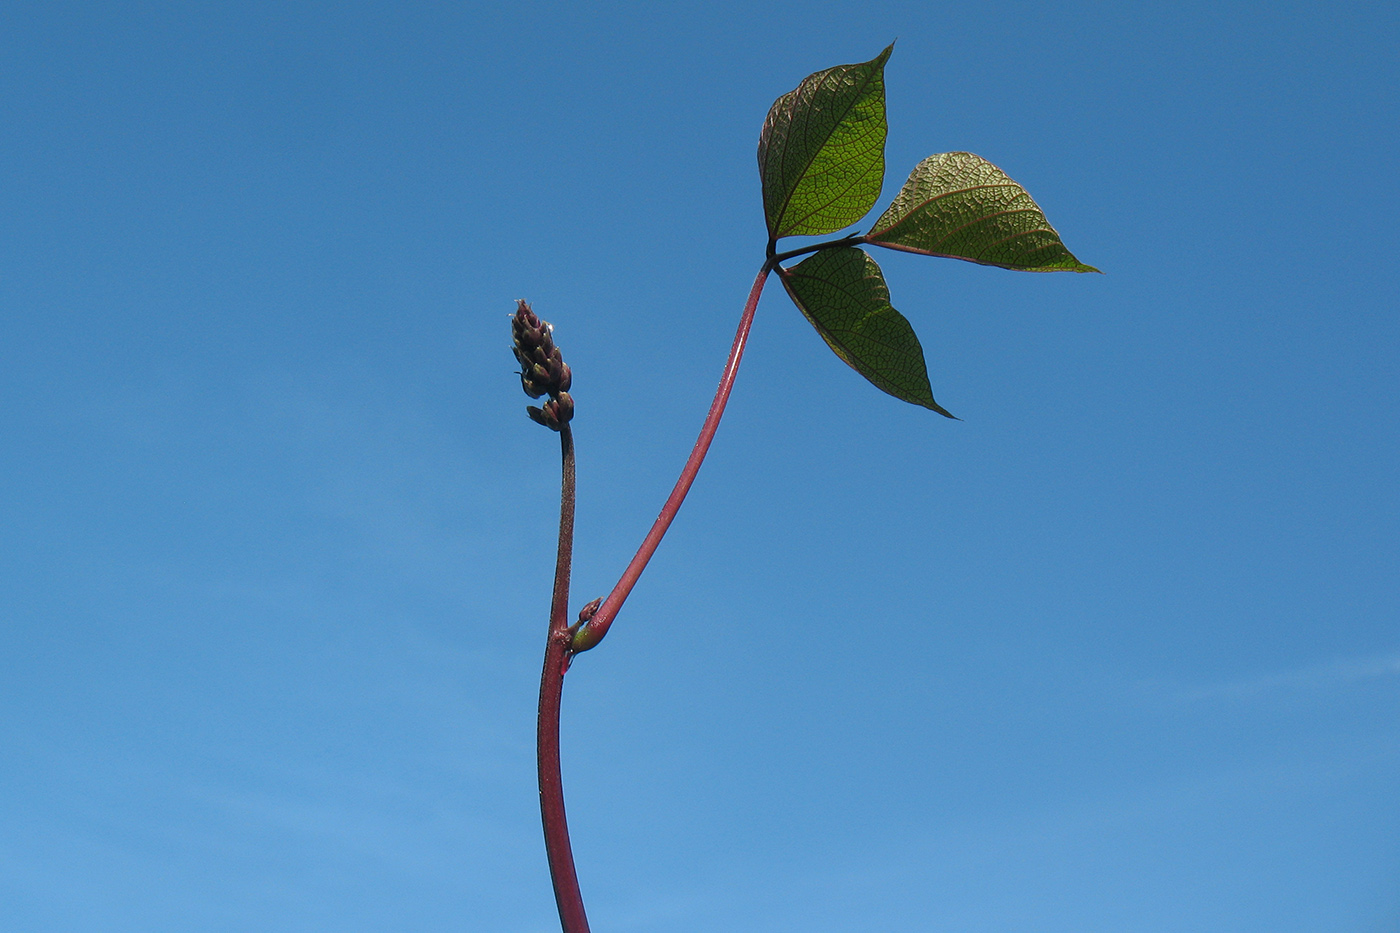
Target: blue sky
point(1118, 652)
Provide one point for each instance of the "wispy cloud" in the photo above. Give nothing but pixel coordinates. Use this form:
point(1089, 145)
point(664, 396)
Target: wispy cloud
point(1317, 677)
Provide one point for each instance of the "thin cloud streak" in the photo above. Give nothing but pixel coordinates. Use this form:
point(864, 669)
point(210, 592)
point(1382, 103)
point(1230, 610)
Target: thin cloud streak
point(1319, 677)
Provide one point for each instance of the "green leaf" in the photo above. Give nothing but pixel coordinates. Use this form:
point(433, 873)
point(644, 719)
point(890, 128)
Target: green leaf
point(821, 155)
point(843, 293)
point(961, 206)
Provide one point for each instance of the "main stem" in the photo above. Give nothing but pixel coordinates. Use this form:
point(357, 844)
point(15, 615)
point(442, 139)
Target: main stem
point(556, 661)
point(593, 631)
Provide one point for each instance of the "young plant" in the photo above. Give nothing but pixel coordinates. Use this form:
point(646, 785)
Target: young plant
point(821, 159)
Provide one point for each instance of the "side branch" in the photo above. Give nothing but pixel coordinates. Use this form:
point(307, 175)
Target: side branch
point(592, 631)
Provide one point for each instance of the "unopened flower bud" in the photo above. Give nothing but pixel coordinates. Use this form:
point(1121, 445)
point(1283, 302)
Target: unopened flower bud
point(563, 407)
point(588, 611)
point(555, 413)
point(542, 368)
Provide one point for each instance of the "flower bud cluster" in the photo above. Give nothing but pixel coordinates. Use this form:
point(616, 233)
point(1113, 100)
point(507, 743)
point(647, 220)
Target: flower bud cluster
point(542, 368)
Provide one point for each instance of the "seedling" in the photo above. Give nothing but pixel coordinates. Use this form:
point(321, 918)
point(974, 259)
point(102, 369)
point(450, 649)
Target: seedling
point(821, 159)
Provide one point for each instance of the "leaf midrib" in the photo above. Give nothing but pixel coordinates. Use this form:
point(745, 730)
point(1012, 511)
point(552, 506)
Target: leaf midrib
point(909, 215)
point(787, 200)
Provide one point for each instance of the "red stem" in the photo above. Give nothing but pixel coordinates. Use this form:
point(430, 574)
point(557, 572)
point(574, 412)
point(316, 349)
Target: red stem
point(556, 661)
point(593, 631)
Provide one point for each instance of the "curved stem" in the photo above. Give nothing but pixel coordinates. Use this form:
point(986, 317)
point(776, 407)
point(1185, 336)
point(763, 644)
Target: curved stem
point(556, 661)
point(592, 632)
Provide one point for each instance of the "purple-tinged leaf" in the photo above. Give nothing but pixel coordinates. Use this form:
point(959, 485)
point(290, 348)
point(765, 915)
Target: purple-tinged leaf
point(961, 206)
point(843, 293)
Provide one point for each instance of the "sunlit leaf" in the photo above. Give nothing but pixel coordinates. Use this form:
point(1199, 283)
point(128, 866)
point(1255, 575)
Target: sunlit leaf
point(843, 293)
point(821, 155)
point(961, 206)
